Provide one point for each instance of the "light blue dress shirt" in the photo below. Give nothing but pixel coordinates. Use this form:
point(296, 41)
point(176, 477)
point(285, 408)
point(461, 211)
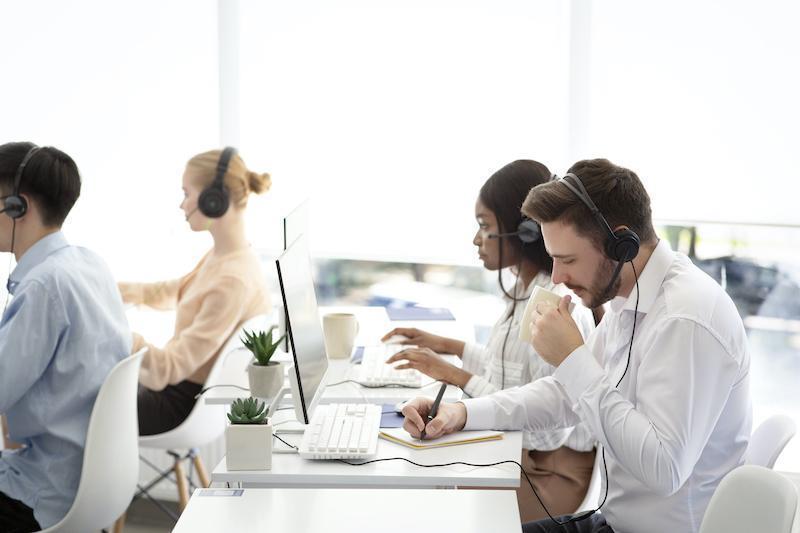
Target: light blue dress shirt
point(62, 333)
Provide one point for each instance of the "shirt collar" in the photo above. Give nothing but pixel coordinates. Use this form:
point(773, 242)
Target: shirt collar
point(650, 280)
point(35, 255)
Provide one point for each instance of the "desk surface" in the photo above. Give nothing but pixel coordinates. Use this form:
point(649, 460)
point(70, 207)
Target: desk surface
point(290, 470)
point(351, 511)
point(373, 322)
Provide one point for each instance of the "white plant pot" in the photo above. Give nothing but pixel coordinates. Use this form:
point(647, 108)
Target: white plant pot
point(248, 446)
point(265, 381)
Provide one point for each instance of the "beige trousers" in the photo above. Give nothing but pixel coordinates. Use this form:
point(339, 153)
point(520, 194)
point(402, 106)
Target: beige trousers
point(561, 478)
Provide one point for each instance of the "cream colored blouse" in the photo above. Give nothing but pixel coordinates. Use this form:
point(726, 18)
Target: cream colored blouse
point(211, 302)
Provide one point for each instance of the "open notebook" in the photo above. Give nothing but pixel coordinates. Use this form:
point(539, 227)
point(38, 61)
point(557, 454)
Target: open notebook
point(401, 436)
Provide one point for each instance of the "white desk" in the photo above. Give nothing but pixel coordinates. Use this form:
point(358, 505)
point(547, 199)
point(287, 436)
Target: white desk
point(292, 471)
point(373, 322)
point(338, 371)
point(352, 511)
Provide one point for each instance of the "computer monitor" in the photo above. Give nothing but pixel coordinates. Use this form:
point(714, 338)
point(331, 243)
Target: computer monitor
point(295, 224)
point(303, 327)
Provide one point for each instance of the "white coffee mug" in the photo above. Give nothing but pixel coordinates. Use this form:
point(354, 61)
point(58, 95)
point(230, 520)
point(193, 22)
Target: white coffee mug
point(340, 334)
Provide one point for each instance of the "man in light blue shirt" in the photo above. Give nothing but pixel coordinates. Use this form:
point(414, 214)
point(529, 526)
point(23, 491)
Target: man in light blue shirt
point(61, 333)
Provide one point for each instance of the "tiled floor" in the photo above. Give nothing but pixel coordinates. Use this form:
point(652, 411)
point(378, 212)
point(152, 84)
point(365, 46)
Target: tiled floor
point(144, 517)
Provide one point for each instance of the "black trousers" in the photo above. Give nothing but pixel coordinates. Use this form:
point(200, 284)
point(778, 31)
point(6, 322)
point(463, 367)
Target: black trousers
point(594, 524)
point(16, 517)
point(161, 411)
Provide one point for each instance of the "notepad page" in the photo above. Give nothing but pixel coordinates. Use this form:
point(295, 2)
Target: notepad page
point(401, 436)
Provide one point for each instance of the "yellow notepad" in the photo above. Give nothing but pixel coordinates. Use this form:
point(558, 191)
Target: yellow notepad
point(401, 436)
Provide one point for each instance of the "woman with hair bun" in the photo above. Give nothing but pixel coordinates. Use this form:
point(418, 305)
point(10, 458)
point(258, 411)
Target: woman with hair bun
point(225, 289)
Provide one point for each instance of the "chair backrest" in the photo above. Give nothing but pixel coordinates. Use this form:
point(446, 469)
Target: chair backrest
point(205, 422)
point(751, 498)
point(111, 457)
point(769, 439)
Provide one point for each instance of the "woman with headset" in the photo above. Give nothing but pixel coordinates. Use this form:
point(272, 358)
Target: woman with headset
point(560, 462)
point(225, 289)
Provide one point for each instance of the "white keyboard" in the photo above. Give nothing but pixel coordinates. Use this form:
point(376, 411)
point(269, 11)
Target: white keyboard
point(342, 431)
point(374, 372)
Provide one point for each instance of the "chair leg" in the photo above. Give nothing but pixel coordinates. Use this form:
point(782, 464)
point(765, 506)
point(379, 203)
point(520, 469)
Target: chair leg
point(202, 474)
point(119, 525)
point(183, 488)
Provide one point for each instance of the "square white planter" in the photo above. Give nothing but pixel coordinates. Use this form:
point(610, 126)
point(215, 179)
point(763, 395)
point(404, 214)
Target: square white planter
point(248, 446)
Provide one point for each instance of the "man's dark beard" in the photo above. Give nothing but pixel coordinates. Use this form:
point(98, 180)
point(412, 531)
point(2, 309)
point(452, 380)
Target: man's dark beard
point(602, 289)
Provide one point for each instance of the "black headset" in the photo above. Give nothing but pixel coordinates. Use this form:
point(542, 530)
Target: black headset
point(14, 205)
point(528, 231)
point(621, 245)
point(214, 200)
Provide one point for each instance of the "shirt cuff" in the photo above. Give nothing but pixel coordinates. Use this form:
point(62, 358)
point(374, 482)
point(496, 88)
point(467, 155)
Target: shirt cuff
point(480, 413)
point(578, 371)
point(472, 357)
point(477, 386)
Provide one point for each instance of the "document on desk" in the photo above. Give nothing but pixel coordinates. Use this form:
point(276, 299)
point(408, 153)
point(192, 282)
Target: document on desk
point(419, 313)
point(401, 436)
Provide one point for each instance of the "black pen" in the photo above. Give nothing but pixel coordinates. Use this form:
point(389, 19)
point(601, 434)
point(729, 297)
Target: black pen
point(434, 408)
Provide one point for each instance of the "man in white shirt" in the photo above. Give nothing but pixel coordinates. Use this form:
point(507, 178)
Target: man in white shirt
point(662, 383)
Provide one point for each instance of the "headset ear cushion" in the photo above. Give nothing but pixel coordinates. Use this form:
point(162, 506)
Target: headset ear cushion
point(624, 246)
point(213, 202)
point(15, 206)
point(528, 231)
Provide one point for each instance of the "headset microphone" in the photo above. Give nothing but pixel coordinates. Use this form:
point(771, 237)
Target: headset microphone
point(617, 270)
point(528, 231)
point(192, 212)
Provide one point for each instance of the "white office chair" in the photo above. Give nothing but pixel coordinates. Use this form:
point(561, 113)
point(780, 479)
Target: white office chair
point(592, 498)
point(752, 499)
point(111, 458)
point(204, 424)
point(769, 439)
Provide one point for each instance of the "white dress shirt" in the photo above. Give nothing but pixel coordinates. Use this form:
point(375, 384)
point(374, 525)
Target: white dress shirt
point(495, 367)
point(681, 418)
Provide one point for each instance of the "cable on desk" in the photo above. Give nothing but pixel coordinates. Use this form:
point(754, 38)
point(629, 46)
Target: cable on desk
point(577, 518)
point(205, 390)
point(286, 443)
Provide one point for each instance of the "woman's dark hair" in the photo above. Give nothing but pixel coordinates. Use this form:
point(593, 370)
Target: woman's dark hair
point(50, 178)
point(503, 193)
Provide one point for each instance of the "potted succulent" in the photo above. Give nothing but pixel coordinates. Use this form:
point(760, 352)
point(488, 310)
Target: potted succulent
point(248, 437)
point(265, 376)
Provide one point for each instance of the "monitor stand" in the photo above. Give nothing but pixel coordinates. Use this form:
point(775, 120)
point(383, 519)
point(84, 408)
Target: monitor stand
point(288, 426)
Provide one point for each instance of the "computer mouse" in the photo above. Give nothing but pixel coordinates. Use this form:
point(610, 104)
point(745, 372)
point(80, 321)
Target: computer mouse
point(398, 407)
point(396, 339)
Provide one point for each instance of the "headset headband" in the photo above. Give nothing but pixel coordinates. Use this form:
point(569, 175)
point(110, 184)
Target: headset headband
point(222, 165)
point(583, 195)
point(21, 168)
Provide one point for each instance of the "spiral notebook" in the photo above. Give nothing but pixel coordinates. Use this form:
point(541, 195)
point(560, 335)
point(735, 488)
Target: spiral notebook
point(401, 436)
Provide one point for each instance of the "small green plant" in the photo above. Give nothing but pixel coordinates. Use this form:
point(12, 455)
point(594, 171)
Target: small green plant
point(248, 411)
point(261, 345)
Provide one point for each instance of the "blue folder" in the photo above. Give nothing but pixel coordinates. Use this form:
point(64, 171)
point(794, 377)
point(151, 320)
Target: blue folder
point(419, 313)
